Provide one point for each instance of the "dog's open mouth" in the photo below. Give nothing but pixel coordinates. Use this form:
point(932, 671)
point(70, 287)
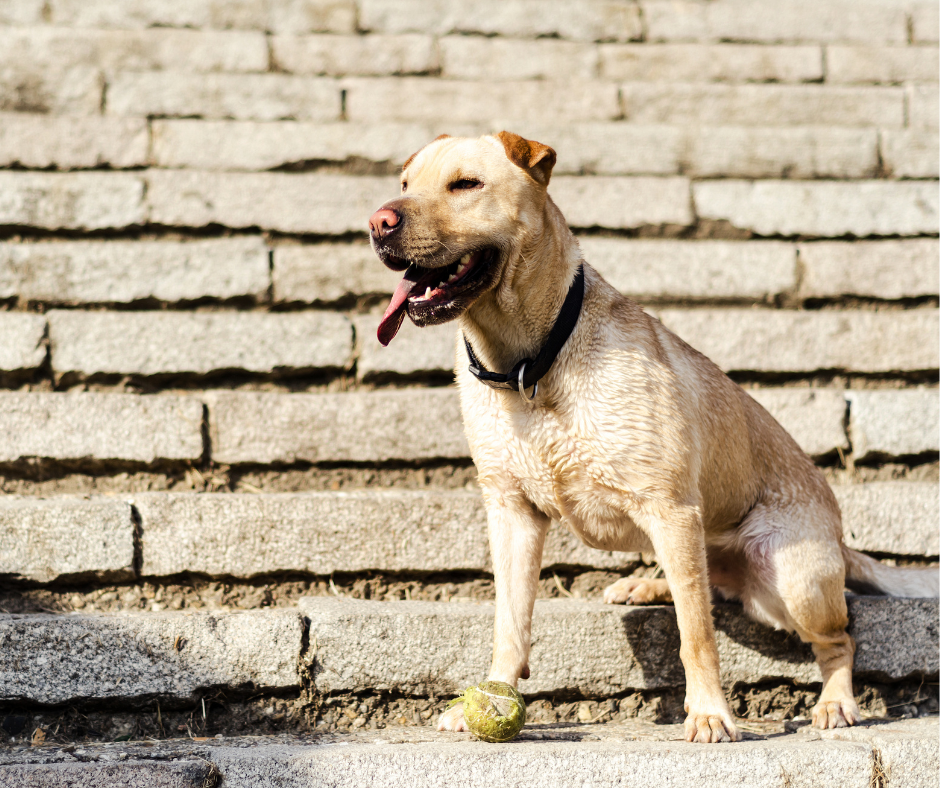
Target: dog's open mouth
point(427, 292)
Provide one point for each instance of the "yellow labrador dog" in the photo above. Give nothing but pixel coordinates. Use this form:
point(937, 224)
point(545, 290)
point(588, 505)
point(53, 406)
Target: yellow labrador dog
point(581, 408)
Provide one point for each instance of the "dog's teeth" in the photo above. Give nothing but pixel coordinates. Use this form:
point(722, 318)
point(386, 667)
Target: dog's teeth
point(451, 278)
point(427, 293)
point(465, 259)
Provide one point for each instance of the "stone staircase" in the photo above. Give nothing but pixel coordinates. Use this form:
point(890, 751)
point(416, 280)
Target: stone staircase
point(241, 544)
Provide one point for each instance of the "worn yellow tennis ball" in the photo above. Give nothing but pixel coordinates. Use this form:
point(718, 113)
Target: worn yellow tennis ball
point(494, 710)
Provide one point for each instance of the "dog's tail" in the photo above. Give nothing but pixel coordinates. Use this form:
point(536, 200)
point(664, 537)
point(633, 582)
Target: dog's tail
point(865, 575)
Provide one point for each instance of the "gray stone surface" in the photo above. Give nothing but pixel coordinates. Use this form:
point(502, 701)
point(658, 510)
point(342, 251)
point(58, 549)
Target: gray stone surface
point(99, 427)
point(416, 352)
point(683, 269)
point(27, 88)
point(886, 269)
point(47, 539)
point(325, 273)
point(23, 345)
point(21, 12)
point(588, 648)
point(925, 23)
point(488, 58)
point(71, 201)
point(128, 774)
point(911, 153)
point(806, 341)
point(898, 518)
point(821, 208)
point(239, 96)
point(410, 424)
point(813, 417)
point(61, 659)
point(884, 424)
point(40, 141)
point(359, 55)
point(76, 272)
point(894, 64)
point(167, 343)
point(923, 107)
point(622, 203)
point(304, 203)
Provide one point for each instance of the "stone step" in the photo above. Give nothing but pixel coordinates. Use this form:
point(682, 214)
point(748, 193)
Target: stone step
point(422, 649)
point(900, 754)
point(413, 532)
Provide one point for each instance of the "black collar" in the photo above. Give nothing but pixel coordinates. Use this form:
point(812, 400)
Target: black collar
point(529, 372)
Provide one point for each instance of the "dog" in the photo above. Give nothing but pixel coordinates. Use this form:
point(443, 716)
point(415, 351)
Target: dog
point(627, 435)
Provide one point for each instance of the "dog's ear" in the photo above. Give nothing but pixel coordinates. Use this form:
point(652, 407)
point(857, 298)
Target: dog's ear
point(412, 156)
point(534, 157)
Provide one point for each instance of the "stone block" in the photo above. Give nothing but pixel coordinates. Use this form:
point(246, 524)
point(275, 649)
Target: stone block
point(180, 343)
point(880, 64)
point(373, 55)
point(89, 426)
point(923, 107)
point(590, 20)
point(127, 271)
point(255, 427)
point(814, 418)
point(588, 648)
point(809, 341)
point(23, 345)
point(791, 20)
point(762, 105)
point(325, 273)
point(174, 656)
point(22, 12)
point(71, 201)
point(239, 96)
point(36, 141)
point(147, 773)
point(883, 269)
point(622, 203)
point(911, 153)
point(885, 424)
point(62, 48)
point(415, 353)
point(898, 518)
point(430, 100)
point(925, 23)
point(476, 57)
point(655, 269)
point(247, 145)
point(63, 538)
point(710, 63)
point(821, 208)
point(74, 91)
point(303, 203)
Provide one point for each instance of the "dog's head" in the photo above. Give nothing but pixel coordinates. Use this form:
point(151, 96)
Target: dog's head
point(466, 209)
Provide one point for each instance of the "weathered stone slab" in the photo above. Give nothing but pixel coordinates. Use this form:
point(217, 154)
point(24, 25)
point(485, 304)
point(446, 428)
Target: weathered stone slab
point(238, 96)
point(21, 12)
point(888, 423)
point(22, 347)
point(925, 23)
point(354, 55)
point(911, 153)
point(62, 659)
point(127, 271)
point(821, 208)
point(47, 539)
point(806, 341)
point(622, 203)
point(892, 65)
point(322, 204)
point(763, 105)
point(693, 269)
point(74, 91)
point(899, 518)
point(167, 343)
point(484, 58)
point(416, 352)
point(923, 107)
point(327, 273)
point(813, 417)
point(588, 648)
point(884, 269)
point(411, 424)
point(40, 141)
point(99, 427)
point(71, 201)
point(128, 774)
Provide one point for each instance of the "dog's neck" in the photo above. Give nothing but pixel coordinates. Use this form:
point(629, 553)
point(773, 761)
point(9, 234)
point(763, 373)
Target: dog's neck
point(512, 321)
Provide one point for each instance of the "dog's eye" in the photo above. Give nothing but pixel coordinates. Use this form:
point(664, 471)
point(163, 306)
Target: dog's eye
point(404, 187)
point(466, 183)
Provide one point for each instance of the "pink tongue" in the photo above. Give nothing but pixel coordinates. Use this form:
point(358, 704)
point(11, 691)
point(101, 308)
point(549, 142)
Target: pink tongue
point(391, 320)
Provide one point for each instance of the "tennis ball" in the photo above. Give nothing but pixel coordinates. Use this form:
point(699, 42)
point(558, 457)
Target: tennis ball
point(494, 711)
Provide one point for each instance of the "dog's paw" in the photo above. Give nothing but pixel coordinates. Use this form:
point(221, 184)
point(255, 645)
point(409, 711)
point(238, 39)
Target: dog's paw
point(706, 727)
point(638, 591)
point(452, 719)
point(836, 714)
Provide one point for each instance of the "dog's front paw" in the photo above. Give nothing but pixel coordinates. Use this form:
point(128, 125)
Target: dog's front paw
point(452, 719)
point(638, 591)
point(710, 726)
point(836, 714)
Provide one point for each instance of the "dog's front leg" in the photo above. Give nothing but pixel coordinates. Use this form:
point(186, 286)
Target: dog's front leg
point(517, 534)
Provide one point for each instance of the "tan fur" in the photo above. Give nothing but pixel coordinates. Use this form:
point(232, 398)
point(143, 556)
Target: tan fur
point(635, 442)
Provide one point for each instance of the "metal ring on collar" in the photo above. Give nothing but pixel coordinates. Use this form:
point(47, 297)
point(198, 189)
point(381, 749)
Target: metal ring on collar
point(521, 386)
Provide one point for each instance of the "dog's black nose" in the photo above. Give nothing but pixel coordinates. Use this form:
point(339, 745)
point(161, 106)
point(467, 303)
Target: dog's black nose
point(384, 222)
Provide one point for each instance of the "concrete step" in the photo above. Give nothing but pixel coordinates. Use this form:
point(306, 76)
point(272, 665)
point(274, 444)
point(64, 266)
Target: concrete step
point(237, 535)
point(421, 649)
point(899, 754)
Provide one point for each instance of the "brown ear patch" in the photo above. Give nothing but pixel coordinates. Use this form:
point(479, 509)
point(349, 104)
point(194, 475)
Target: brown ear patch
point(411, 158)
point(534, 157)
